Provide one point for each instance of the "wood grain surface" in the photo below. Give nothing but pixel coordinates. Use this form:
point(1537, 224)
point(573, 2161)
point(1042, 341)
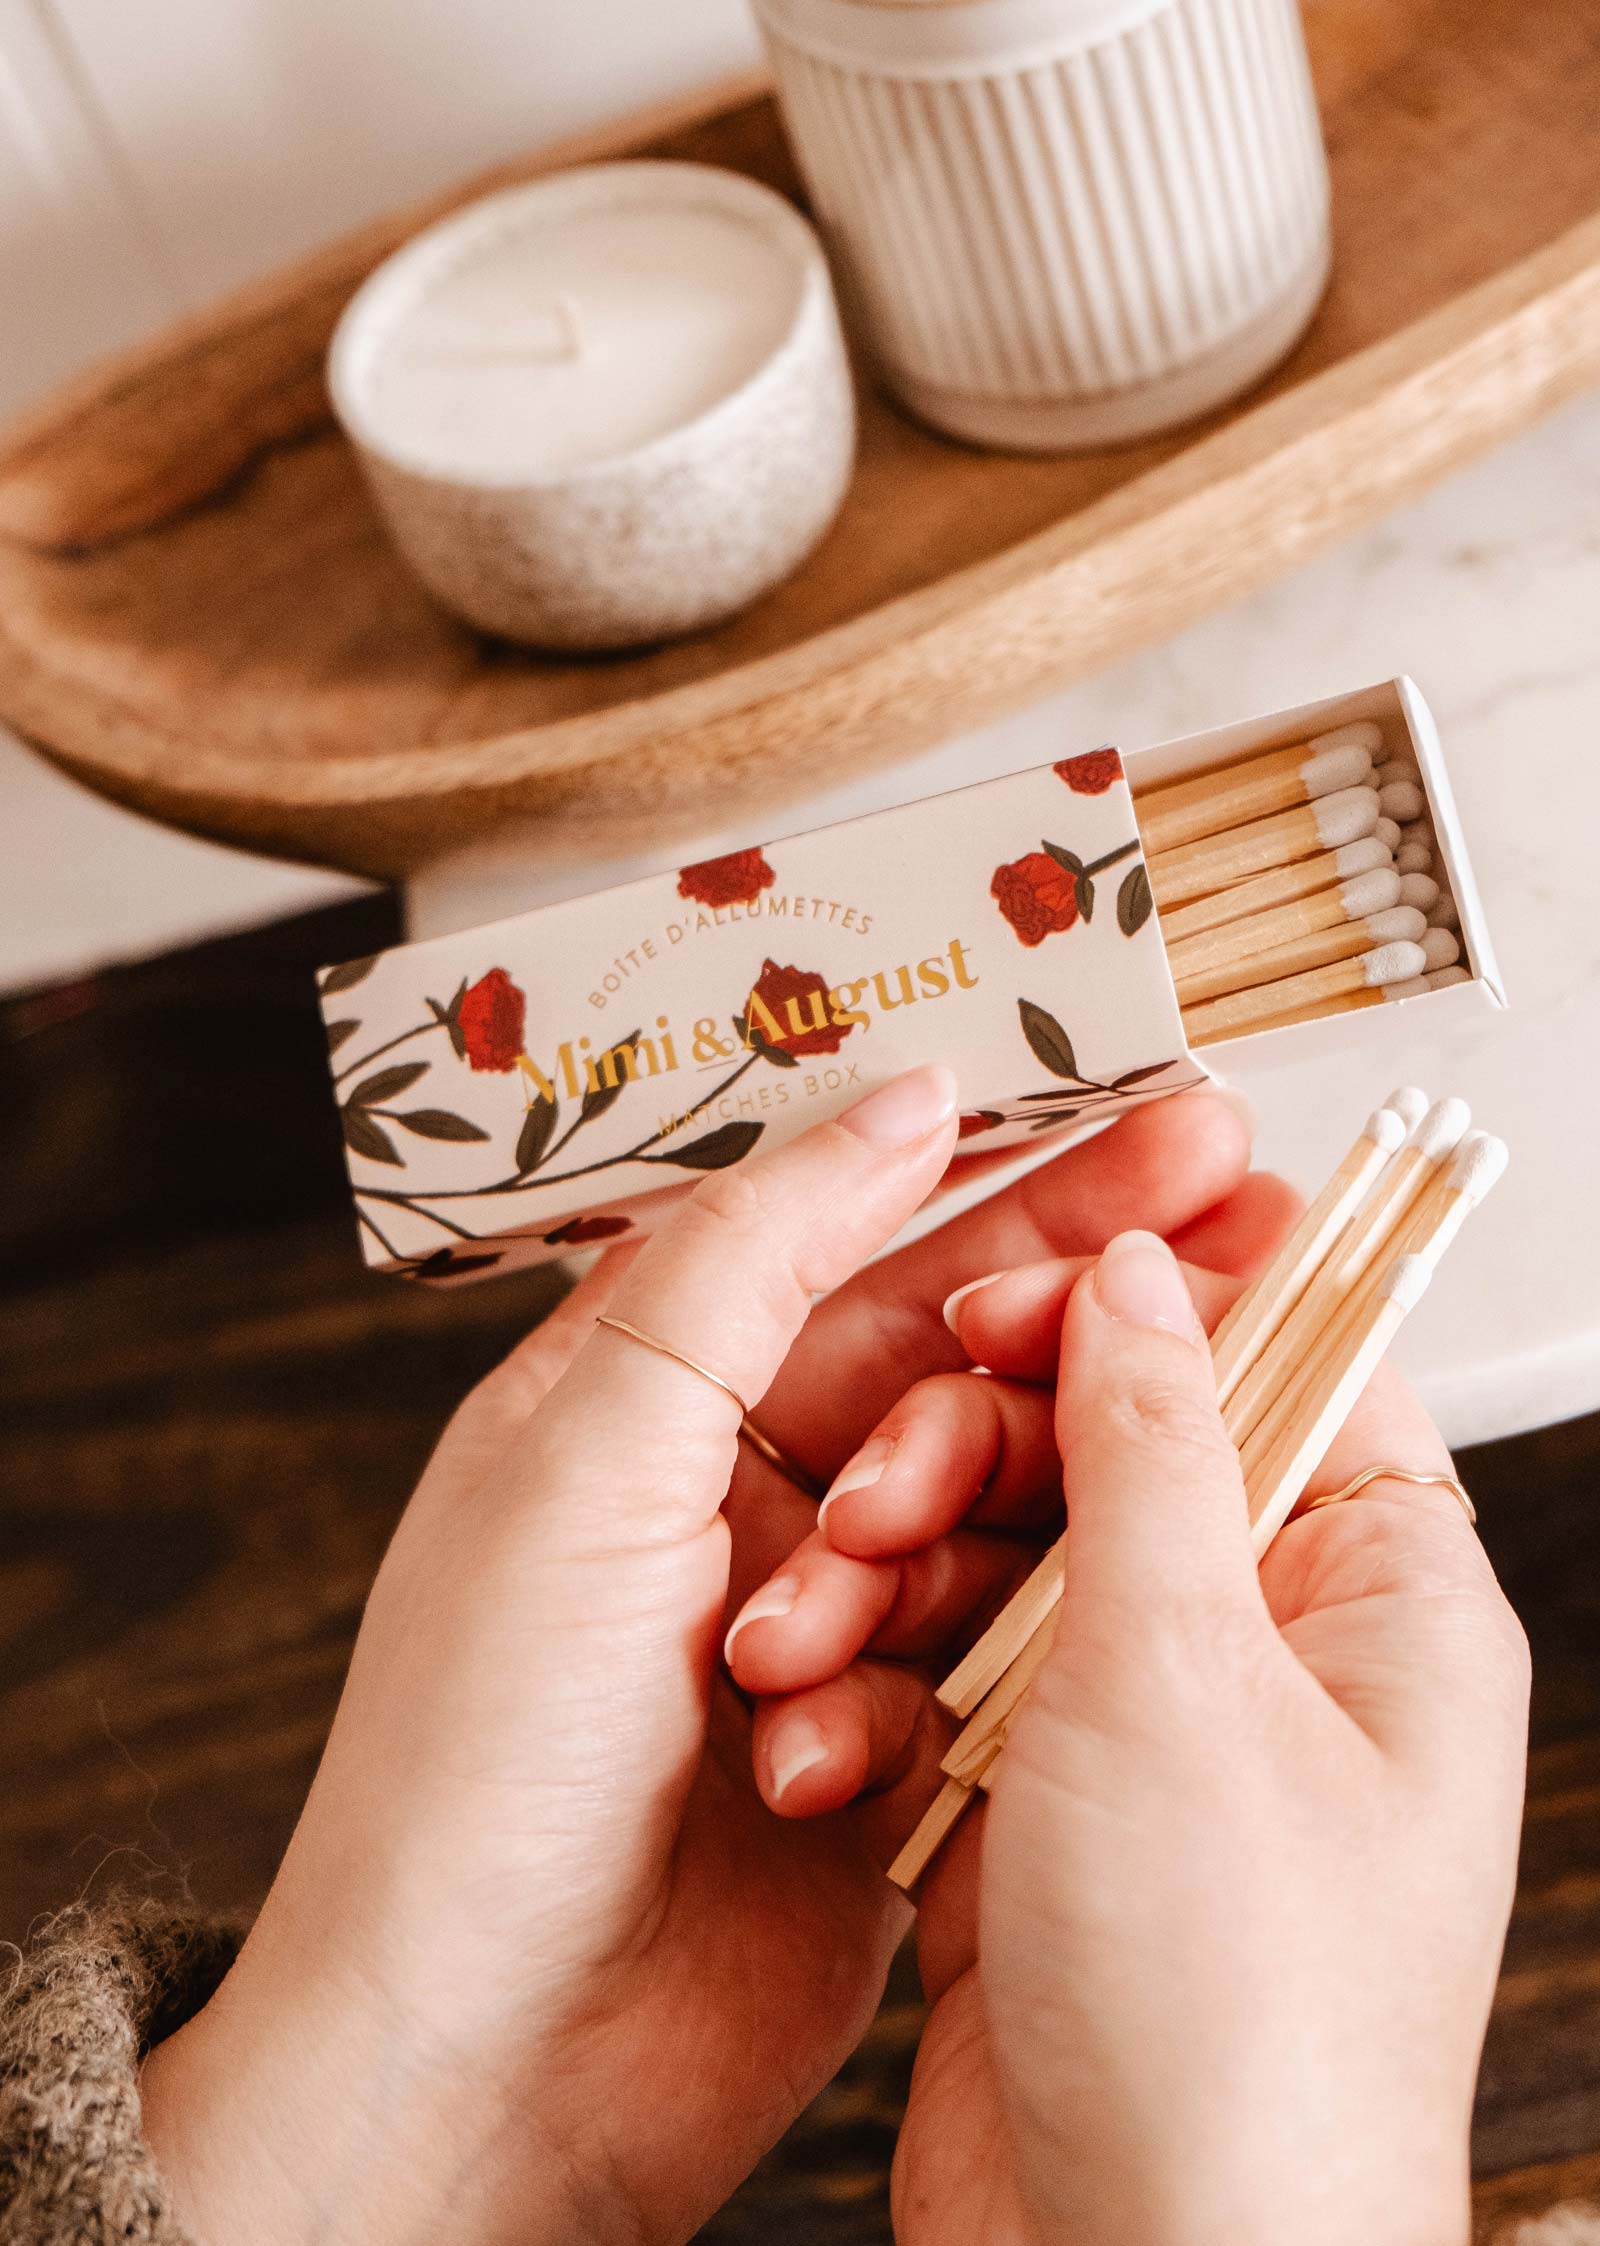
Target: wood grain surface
point(200, 615)
point(214, 1416)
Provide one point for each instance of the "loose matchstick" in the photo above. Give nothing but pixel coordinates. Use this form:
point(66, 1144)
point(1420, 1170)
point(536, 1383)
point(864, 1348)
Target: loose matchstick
point(1262, 1308)
point(1186, 810)
point(981, 1669)
point(1346, 939)
point(1426, 1227)
point(1280, 885)
point(1352, 900)
point(1281, 1453)
point(1322, 988)
point(975, 1746)
point(1361, 1245)
point(1219, 860)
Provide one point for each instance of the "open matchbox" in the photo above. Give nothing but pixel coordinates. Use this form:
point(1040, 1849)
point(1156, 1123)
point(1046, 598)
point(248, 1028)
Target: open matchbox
point(516, 1092)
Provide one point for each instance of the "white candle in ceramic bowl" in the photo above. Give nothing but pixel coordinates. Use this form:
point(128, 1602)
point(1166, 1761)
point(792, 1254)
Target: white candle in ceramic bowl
point(604, 408)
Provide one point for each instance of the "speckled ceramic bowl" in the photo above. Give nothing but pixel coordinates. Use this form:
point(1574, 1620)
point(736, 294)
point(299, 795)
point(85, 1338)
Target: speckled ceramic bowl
point(664, 539)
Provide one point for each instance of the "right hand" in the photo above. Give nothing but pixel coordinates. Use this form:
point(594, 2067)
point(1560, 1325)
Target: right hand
point(1251, 1846)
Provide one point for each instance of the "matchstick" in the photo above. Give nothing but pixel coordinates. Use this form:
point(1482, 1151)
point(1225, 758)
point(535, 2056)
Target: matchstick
point(1440, 949)
point(1186, 810)
point(1388, 833)
point(1280, 885)
point(938, 1821)
point(1426, 1227)
point(1413, 857)
point(1444, 913)
point(1402, 800)
point(1278, 1481)
point(981, 1669)
point(1306, 916)
point(1219, 860)
point(1373, 1227)
point(975, 1746)
point(1347, 939)
point(1245, 1010)
point(1418, 889)
point(1394, 768)
point(1262, 1308)
point(1414, 986)
point(1281, 1449)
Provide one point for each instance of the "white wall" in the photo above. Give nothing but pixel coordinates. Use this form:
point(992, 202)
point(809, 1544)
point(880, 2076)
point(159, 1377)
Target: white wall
point(153, 152)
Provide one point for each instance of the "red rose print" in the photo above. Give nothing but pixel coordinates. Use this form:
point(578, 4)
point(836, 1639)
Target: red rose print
point(585, 1228)
point(789, 1008)
point(1091, 774)
point(737, 879)
point(491, 1016)
point(978, 1119)
point(1036, 895)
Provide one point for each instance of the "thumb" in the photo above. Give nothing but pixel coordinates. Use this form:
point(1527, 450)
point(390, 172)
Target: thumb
point(1156, 1508)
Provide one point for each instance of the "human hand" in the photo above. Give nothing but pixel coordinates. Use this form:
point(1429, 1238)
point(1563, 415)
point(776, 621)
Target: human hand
point(538, 1959)
point(1251, 1845)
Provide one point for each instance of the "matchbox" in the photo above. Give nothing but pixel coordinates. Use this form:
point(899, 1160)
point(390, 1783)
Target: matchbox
point(553, 1081)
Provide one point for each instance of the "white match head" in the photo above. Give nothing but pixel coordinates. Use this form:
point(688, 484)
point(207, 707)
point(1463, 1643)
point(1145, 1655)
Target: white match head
point(1397, 768)
point(1406, 1281)
point(1332, 769)
point(1402, 799)
point(1388, 832)
point(1479, 1164)
point(1361, 735)
point(1446, 976)
point(1392, 963)
point(1413, 857)
point(1345, 817)
point(1386, 1130)
point(1366, 856)
point(1417, 889)
point(1418, 830)
point(1444, 913)
point(1439, 949)
point(1442, 1129)
point(1371, 892)
point(1410, 1103)
point(1401, 924)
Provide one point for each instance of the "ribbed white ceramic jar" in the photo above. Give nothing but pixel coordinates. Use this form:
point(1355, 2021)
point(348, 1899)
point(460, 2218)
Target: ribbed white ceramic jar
point(1063, 222)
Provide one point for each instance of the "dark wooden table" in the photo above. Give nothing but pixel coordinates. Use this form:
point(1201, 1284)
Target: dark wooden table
point(213, 1417)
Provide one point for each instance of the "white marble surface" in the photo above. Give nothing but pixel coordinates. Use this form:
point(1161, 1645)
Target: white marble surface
point(1488, 593)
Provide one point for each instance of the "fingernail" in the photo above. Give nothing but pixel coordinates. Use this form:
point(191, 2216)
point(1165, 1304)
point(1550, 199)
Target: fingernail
point(1138, 1281)
point(799, 1746)
point(860, 1473)
point(953, 1301)
point(774, 1598)
point(905, 1109)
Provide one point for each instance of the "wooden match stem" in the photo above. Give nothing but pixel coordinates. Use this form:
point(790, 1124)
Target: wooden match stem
point(1239, 1340)
point(975, 1746)
point(1184, 811)
point(1257, 932)
point(1264, 892)
point(1178, 876)
point(1246, 1009)
point(982, 1668)
point(1320, 947)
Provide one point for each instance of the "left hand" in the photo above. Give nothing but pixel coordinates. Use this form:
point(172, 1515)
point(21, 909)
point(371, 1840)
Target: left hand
point(539, 1961)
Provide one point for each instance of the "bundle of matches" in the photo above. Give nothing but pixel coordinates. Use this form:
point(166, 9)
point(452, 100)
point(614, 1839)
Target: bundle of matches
point(1291, 1357)
point(1297, 883)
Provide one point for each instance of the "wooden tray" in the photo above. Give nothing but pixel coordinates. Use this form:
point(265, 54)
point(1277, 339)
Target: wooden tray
point(200, 617)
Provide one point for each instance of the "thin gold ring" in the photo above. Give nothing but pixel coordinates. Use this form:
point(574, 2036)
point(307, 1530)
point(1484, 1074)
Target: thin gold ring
point(749, 1432)
point(1394, 1474)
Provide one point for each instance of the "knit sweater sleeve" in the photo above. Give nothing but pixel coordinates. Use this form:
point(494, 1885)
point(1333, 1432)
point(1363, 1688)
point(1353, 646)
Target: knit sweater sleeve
point(79, 2008)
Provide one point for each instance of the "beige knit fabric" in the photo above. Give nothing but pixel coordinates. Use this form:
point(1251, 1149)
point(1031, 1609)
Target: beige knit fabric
point(87, 1998)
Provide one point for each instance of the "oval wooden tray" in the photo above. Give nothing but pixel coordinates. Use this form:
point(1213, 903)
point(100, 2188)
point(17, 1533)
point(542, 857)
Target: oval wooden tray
point(200, 617)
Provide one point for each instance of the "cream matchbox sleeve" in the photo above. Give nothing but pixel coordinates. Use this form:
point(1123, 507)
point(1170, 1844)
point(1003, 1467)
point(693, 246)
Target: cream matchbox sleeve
point(515, 1092)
